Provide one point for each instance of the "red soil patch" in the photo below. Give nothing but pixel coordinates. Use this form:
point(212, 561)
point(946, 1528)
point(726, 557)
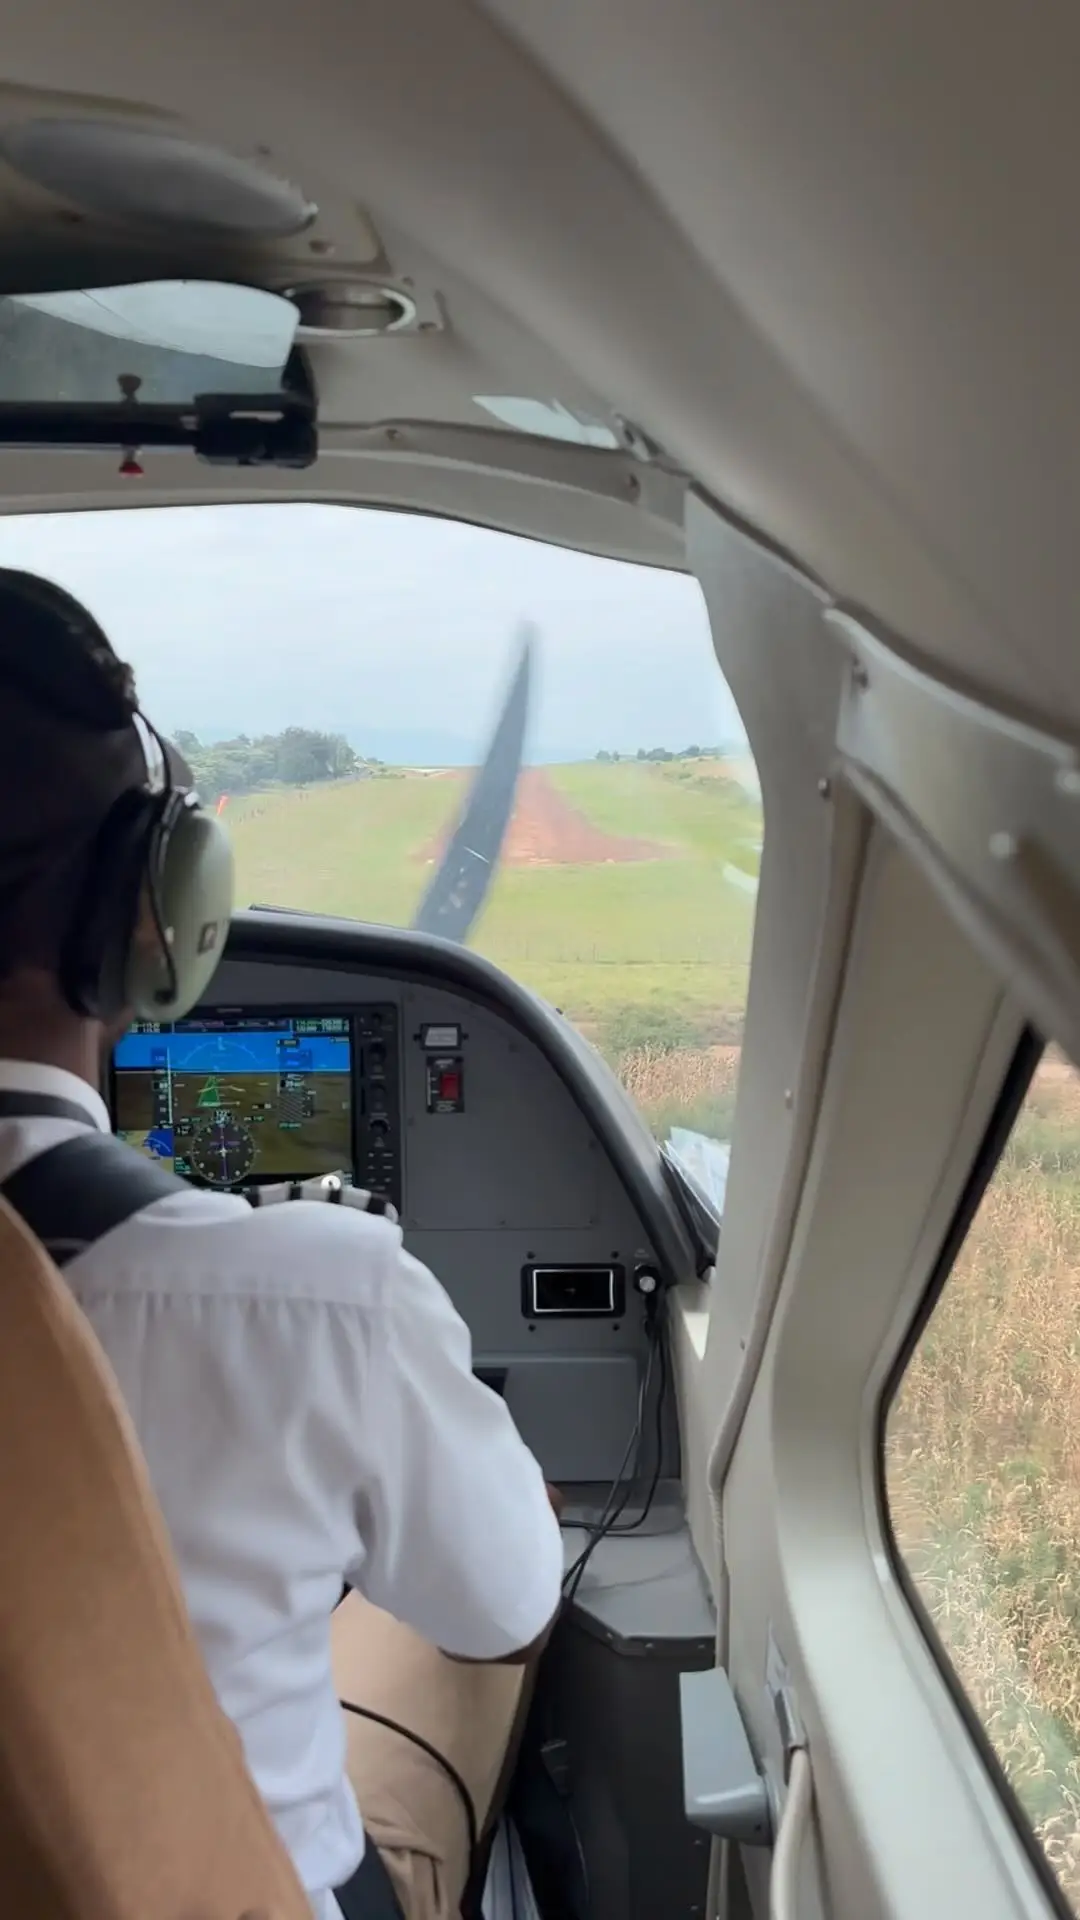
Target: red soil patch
point(546, 831)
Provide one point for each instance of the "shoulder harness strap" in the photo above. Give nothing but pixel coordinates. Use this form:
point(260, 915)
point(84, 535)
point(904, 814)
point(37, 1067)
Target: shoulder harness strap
point(78, 1191)
point(74, 1193)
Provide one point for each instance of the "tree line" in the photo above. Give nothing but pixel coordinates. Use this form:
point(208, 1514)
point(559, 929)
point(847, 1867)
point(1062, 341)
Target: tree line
point(664, 753)
point(299, 757)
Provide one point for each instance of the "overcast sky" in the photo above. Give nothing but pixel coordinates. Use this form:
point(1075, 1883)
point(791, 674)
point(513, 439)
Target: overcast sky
point(378, 625)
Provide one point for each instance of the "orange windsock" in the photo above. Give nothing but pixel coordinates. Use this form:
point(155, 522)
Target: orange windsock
point(222, 803)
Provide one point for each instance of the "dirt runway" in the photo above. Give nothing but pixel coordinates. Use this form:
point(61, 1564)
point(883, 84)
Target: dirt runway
point(547, 831)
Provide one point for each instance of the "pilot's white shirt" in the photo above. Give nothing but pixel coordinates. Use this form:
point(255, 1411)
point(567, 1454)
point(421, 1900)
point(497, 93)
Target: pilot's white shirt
point(303, 1392)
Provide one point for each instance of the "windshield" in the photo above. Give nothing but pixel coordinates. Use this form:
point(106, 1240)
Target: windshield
point(418, 722)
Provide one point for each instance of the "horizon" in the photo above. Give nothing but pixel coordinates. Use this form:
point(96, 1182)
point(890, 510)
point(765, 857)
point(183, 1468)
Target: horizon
point(720, 749)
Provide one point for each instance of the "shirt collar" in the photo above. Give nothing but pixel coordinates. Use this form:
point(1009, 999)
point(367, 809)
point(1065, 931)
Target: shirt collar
point(28, 1076)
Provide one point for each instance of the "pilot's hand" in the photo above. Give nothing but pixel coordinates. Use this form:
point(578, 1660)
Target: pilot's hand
point(557, 1499)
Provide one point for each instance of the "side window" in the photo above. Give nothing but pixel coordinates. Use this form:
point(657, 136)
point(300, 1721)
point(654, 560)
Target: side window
point(982, 1466)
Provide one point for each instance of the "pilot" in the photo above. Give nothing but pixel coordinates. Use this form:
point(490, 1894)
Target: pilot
point(302, 1388)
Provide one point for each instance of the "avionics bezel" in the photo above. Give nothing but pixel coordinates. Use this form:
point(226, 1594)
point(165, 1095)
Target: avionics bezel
point(271, 1016)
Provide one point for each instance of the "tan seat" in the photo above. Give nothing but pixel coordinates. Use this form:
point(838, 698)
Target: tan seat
point(471, 1714)
point(123, 1789)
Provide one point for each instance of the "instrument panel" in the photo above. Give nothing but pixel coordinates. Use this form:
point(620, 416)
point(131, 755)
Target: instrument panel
point(233, 1098)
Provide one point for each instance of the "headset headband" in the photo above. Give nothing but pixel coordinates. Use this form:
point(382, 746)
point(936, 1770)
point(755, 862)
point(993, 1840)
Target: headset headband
point(158, 772)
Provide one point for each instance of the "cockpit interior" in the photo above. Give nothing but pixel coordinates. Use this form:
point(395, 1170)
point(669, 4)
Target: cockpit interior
point(583, 486)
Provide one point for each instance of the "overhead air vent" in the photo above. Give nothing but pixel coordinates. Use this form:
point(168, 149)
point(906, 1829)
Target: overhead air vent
point(351, 310)
point(134, 174)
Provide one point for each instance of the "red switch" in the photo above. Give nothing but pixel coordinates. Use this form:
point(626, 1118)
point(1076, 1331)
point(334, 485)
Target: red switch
point(445, 1085)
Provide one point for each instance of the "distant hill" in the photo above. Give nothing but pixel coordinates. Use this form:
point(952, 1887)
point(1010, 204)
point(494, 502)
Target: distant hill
point(428, 747)
point(419, 746)
point(415, 746)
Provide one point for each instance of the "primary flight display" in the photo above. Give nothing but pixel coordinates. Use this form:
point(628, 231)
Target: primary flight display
point(231, 1099)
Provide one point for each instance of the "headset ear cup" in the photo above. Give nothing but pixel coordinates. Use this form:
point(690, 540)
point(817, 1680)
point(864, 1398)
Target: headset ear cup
point(191, 870)
point(94, 960)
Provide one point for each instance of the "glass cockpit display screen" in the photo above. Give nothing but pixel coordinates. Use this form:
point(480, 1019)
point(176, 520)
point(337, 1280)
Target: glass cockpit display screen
point(228, 1100)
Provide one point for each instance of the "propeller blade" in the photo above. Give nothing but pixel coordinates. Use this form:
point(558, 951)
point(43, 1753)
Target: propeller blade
point(460, 886)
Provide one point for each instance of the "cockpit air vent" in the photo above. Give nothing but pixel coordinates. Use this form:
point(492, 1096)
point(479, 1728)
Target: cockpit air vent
point(351, 310)
point(142, 175)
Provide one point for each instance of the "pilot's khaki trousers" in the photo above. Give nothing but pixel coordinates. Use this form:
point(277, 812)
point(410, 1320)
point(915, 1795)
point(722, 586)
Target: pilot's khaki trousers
point(411, 1811)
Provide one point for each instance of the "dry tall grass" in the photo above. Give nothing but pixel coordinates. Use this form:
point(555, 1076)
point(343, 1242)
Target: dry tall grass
point(662, 1080)
point(983, 1465)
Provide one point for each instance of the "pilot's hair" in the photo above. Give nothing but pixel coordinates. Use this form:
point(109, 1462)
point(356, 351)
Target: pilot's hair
point(68, 750)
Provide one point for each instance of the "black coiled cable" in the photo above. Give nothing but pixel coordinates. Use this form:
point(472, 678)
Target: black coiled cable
point(468, 1805)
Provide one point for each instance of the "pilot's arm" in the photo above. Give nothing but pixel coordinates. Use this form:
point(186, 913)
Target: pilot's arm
point(460, 1540)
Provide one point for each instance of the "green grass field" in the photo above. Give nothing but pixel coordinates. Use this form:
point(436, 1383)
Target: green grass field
point(645, 950)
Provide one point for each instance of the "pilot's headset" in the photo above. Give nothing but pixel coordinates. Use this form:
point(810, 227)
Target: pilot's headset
point(150, 921)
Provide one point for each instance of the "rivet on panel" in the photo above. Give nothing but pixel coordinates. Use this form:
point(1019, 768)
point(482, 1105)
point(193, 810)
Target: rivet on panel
point(1003, 846)
point(824, 787)
point(789, 1097)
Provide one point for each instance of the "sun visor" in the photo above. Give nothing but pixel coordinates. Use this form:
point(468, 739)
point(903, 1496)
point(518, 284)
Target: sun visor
point(203, 365)
point(178, 338)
